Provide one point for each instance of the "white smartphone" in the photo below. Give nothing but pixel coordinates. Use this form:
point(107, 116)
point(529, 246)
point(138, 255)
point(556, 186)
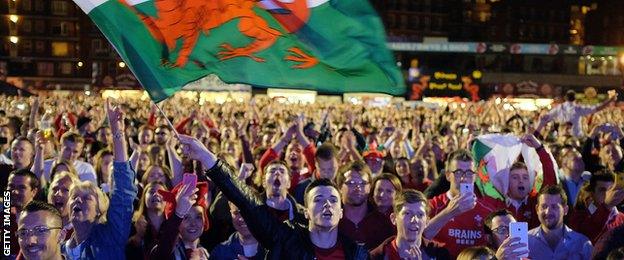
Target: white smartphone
point(520, 230)
point(466, 188)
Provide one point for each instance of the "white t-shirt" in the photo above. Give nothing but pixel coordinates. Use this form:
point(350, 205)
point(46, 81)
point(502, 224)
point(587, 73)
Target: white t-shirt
point(86, 172)
point(571, 112)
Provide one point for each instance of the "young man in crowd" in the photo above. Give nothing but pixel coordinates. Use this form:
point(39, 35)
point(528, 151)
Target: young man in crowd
point(71, 148)
point(296, 152)
point(326, 168)
point(361, 222)
point(40, 232)
point(276, 182)
point(596, 211)
point(574, 174)
point(241, 243)
point(519, 200)
point(457, 218)
point(375, 161)
point(410, 218)
point(24, 186)
point(553, 239)
point(506, 247)
point(320, 240)
point(22, 155)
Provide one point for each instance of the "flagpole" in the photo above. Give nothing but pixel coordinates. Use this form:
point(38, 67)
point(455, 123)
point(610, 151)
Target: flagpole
point(167, 119)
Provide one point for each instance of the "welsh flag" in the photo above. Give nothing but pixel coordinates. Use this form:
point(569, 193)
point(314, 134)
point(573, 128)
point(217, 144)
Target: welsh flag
point(494, 154)
point(331, 46)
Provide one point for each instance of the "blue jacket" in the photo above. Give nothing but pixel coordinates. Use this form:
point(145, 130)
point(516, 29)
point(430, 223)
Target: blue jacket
point(108, 240)
point(231, 248)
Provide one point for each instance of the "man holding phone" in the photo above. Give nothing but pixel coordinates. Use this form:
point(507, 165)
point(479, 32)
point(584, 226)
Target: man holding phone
point(507, 246)
point(553, 239)
point(456, 216)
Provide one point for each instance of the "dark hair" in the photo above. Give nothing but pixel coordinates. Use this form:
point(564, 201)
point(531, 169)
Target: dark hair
point(34, 181)
point(488, 220)
point(358, 166)
point(459, 155)
point(402, 158)
point(317, 183)
point(325, 152)
point(273, 162)
point(409, 196)
point(37, 205)
point(554, 190)
point(392, 178)
point(570, 95)
point(585, 193)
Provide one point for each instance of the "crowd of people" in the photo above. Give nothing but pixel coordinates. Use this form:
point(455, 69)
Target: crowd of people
point(93, 178)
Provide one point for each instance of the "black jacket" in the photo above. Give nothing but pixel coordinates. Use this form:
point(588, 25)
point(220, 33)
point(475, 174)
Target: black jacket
point(283, 240)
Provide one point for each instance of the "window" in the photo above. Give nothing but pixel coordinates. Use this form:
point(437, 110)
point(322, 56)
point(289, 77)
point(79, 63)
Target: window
point(60, 28)
point(26, 47)
point(45, 68)
point(26, 26)
point(39, 6)
point(40, 26)
point(60, 49)
point(40, 47)
point(59, 7)
point(66, 68)
point(27, 5)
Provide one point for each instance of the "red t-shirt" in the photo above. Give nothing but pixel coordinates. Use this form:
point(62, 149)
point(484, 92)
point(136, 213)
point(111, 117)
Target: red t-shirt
point(465, 230)
point(372, 230)
point(391, 250)
point(334, 253)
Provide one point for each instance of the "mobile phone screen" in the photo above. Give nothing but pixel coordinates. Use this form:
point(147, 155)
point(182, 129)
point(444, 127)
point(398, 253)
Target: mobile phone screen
point(466, 188)
point(520, 230)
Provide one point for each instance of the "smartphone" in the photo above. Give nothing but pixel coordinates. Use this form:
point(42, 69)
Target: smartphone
point(190, 178)
point(520, 230)
point(466, 188)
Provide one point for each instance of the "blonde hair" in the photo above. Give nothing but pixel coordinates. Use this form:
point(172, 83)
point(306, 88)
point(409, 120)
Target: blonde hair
point(100, 198)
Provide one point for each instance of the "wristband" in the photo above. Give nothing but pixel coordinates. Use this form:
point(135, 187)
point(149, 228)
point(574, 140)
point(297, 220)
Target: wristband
point(541, 147)
point(118, 135)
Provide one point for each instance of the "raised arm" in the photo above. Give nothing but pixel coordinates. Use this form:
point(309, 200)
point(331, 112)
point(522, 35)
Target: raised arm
point(124, 191)
point(38, 161)
point(263, 225)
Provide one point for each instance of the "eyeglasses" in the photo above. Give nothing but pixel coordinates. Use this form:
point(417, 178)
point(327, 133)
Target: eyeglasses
point(502, 230)
point(36, 231)
point(465, 174)
point(353, 184)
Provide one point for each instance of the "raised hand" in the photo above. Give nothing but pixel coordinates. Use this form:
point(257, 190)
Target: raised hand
point(185, 199)
point(614, 197)
point(194, 149)
point(530, 140)
point(507, 249)
point(245, 171)
point(115, 117)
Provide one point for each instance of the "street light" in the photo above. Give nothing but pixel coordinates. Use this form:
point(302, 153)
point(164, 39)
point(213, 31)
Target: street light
point(13, 39)
point(14, 18)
